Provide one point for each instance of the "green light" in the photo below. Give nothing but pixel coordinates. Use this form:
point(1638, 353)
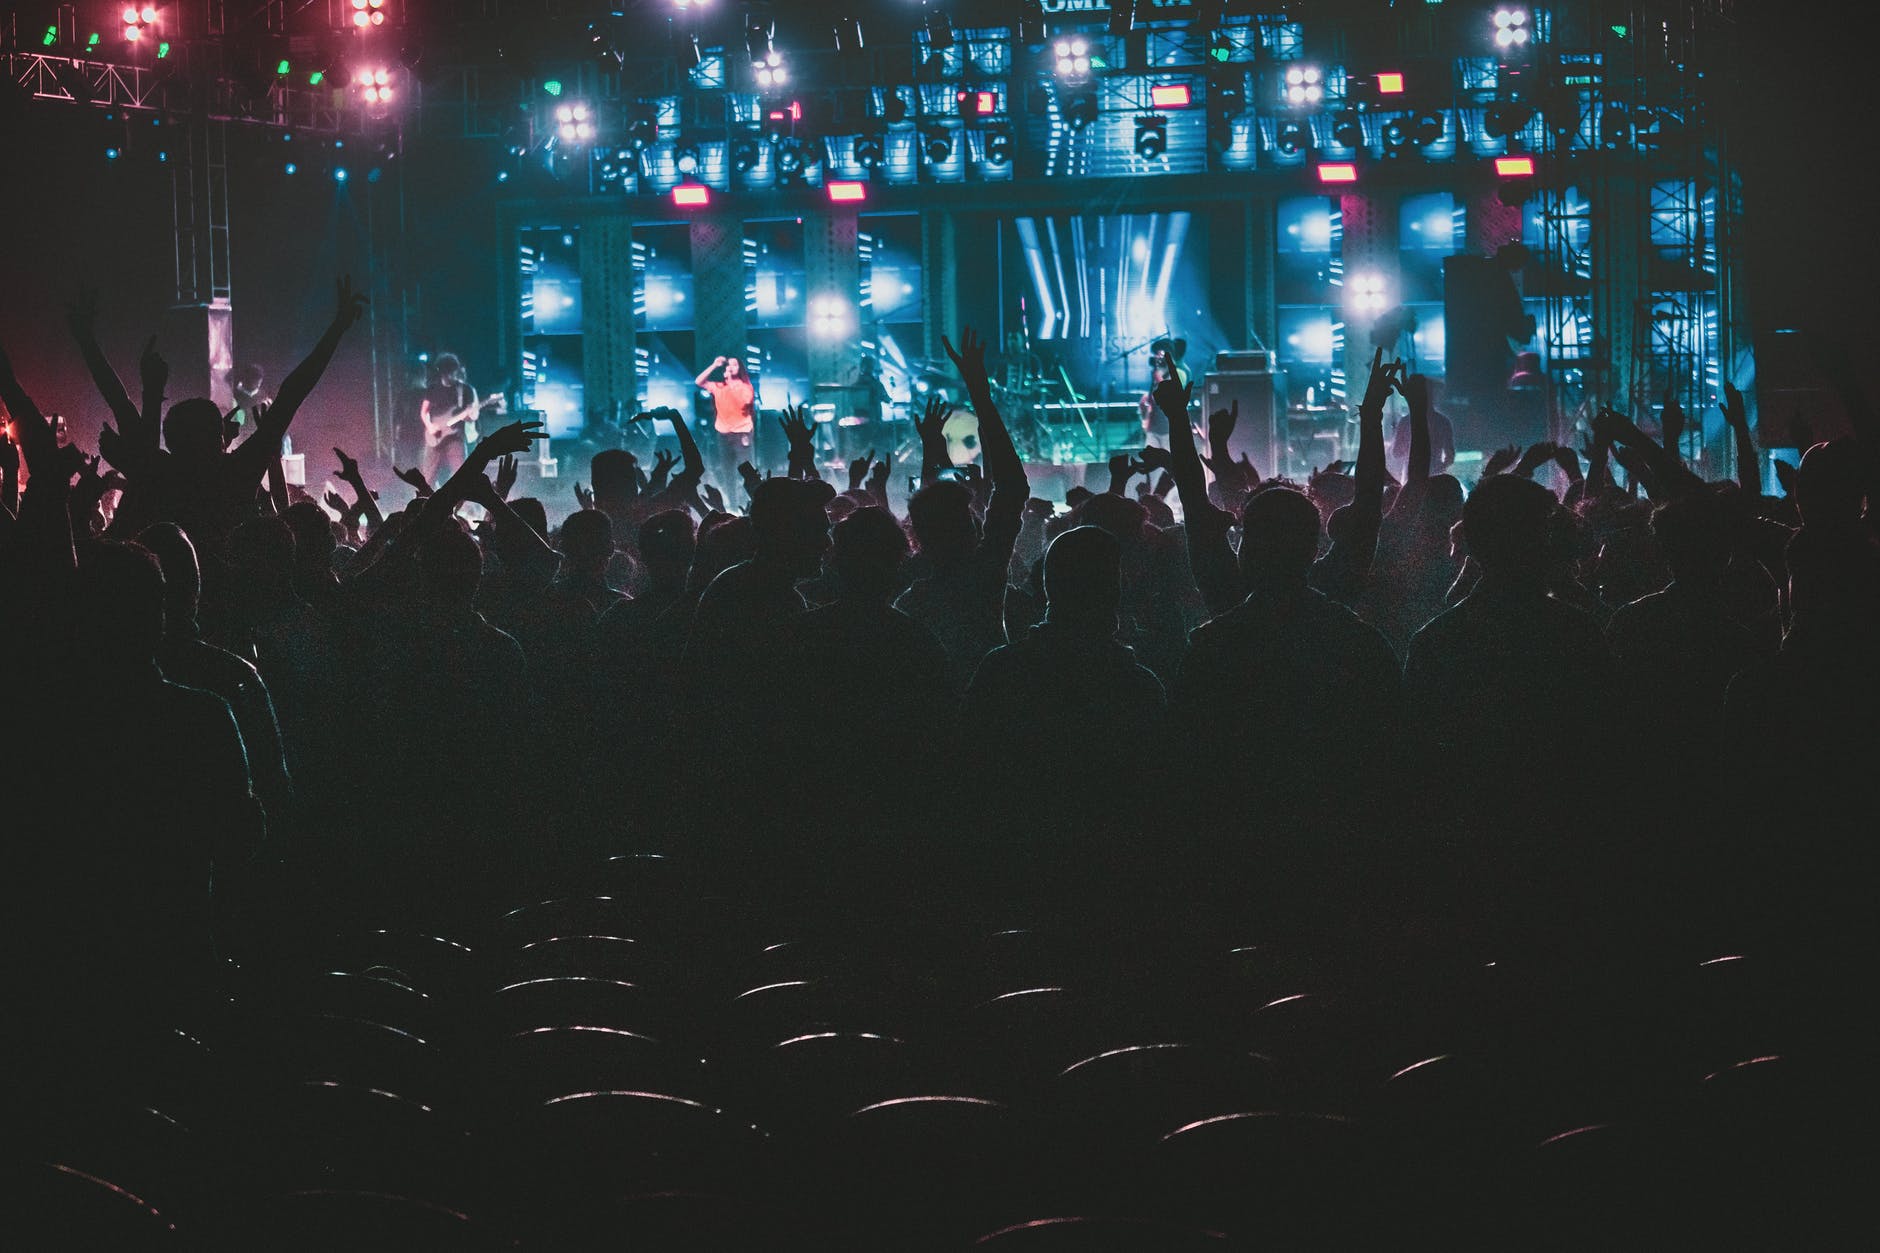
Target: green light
point(52, 37)
point(1619, 30)
point(1219, 54)
point(92, 42)
point(552, 86)
point(283, 67)
point(316, 78)
point(163, 49)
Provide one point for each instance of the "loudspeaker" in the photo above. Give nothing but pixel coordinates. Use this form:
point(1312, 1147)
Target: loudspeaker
point(1257, 432)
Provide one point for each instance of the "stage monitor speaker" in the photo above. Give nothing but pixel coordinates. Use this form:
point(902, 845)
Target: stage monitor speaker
point(1257, 432)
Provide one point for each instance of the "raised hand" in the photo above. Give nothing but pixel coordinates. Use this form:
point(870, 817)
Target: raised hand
point(1221, 424)
point(748, 475)
point(1568, 460)
point(1384, 379)
point(1671, 418)
point(1785, 475)
point(583, 497)
point(796, 427)
point(152, 368)
point(931, 422)
point(1735, 412)
point(1499, 460)
point(337, 503)
point(1172, 397)
point(859, 468)
point(1152, 458)
point(415, 477)
point(1535, 457)
point(348, 471)
point(878, 478)
point(506, 469)
point(663, 462)
point(351, 303)
point(1122, 469)
point(714, 499)
point(969, 358)
point(507, 440)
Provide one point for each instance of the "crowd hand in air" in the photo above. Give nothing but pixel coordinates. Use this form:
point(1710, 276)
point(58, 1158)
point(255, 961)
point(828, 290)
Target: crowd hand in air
point(1151, 459)
point(1122, 469)
point(1221, 426)
point(415, 477)
point(1536, 456)
point(1735, 412)
point(663, 462)
point(859, 469)
point(969, 359)
point(713, 498)
point(930, 424)
point(748, 475)
point(1172, 397)
point(1569, 462)
point(1499, 460)
point(583, 497)
point(351, 304)
point(878, 481)
point(1671, 419)
point(1386, 377)
point(801, 436)
point(506, 470)
point(153, 370)
point(337, 503)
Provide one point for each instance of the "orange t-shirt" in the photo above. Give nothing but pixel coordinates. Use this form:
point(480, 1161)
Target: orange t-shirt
point(733, 401)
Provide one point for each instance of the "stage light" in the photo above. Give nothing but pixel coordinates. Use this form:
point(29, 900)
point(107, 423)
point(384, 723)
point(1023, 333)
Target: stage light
point(870, 148)
point(112, 154)
point(691, 195)
point(1427, 129)
point(1348, 129)
point(847, 192)
point(573, 123)
point(1514, 167)
point(1170, 96)
point(1151, 137)
point(1338, 172)
point(138, 19)
point(830, 317)
point(1305, 85)
point(291, 168)
point(1506, 118)
point(375, 85)
point(339, 174)
point(1072, 57)
point(937, 143)
point(686, 160)
point(552, 86)
point(999, 145)
point(368, 13)
point(283, 68)
point(1511, 28)
point(1390, 83)
point(1365, 294)
point(316, 78)
point(1292, 138)
point(977, 104)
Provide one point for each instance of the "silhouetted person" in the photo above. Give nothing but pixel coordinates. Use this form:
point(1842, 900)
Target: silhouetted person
point(1289, 695)
point(1057, 722)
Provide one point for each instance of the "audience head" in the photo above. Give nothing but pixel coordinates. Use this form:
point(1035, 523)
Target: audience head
point(120, 605)
point(587, 541)
point(1505, 523)
point(450, 567)
point(313, 535)
point(1279, 536)
point(1083, 580)
point(941, 514)
point(1830, 484)
point(1122, 517)
point(532, 511)
point(723, 542)
point(1692, 534)
point(667, 544)
point(790, 524)
point(615, 476)
point(192, 430)
point(869, 553)
point(262, 552)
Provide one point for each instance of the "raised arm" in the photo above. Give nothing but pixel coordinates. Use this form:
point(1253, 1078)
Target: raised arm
point(1010, 486)
point(154, 373)
point(1748, 463)
point(1205, 527)
point(258, 450)
point(718, 363)
point(931, 426)
point(43, 536)
point(364, 501)
point(82, 317)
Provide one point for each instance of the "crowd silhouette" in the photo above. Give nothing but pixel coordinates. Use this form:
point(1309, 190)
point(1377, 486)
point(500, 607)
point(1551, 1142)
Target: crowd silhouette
point(1536, 714)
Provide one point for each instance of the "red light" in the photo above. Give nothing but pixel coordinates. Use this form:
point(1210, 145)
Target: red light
point(848, 193)
point(1515, 167)
point(1170, 96)
point(988, 102)
point(1338, 172)
point(691, 195)
point(1390, 83)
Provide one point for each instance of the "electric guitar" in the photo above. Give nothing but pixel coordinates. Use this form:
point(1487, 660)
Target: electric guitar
point(437, 430)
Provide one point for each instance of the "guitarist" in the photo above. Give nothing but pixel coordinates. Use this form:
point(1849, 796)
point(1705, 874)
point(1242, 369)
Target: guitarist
point(444, 409)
